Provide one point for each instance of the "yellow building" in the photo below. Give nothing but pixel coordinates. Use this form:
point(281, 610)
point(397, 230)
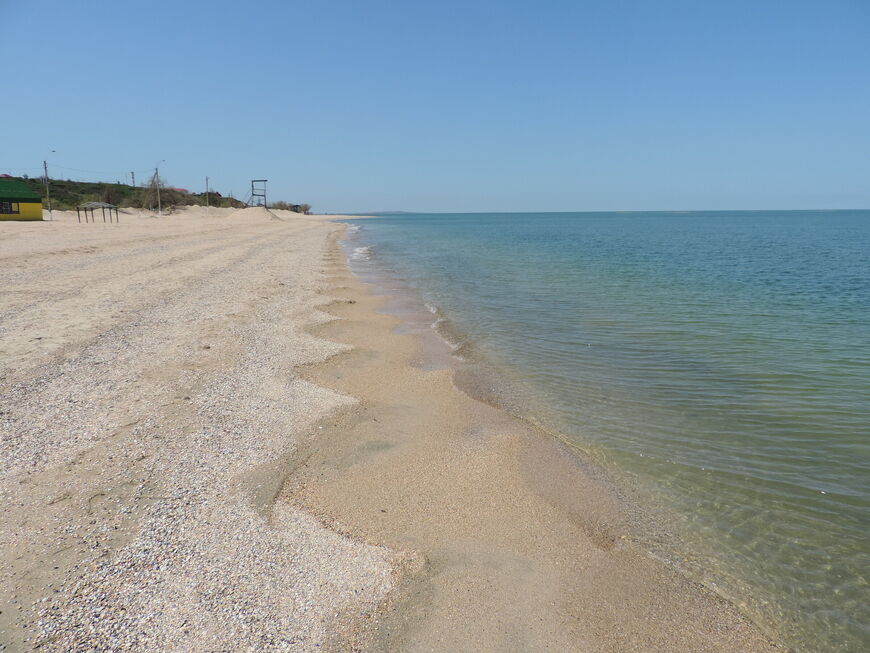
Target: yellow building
point(18, 202)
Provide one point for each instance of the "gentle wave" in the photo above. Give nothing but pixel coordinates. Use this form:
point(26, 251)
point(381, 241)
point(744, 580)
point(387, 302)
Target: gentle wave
point(361, 253)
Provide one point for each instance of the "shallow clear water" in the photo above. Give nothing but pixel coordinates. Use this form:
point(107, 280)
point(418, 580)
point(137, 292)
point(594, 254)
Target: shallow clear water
point(718, 360)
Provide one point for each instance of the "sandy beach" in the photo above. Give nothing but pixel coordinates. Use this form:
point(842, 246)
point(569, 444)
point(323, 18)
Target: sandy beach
point(212, 440)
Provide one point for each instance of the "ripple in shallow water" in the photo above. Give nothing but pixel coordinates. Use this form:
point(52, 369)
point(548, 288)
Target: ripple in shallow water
point(717, 360)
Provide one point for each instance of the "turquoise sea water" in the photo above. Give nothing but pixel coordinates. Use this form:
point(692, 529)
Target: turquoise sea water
point(718, 361)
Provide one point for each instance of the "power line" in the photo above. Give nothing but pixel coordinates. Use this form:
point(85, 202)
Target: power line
point(95, 172)
point(44, 169)
point(21, 168)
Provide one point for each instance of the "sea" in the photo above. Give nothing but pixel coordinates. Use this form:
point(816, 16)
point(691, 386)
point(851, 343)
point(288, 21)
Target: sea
point(715, 363)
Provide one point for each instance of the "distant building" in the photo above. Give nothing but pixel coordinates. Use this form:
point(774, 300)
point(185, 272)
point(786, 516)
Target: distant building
point(18, 202)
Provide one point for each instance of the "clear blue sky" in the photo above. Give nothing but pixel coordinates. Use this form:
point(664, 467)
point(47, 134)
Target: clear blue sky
point(361, 105)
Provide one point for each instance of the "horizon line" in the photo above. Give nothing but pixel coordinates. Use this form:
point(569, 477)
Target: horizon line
point(385, 213)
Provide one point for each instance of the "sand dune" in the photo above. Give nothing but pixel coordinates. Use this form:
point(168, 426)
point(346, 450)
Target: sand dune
point(146, 387)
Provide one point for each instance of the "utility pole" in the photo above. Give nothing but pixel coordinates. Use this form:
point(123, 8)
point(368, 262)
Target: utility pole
point(47, 190)
point(157, 182)
point(206, 194)
point(133, 179)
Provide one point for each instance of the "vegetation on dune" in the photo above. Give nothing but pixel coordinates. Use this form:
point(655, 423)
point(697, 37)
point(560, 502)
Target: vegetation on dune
point(66, 194)
point(296, 208)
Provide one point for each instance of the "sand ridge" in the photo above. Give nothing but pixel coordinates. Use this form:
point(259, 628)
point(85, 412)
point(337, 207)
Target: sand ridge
point(146, 392)
point(508, 541)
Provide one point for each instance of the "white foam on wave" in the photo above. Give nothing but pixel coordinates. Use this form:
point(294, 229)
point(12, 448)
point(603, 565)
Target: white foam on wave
point(361, 254)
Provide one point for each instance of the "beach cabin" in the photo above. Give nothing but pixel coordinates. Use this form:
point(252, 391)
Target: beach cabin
point(18, 202)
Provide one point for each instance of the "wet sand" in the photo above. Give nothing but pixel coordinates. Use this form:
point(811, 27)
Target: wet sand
point(506, 539)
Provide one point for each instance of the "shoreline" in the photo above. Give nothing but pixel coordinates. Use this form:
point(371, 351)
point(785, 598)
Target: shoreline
point(558, 562)
point(212, 440)
point(445, 345)
point(683, 387)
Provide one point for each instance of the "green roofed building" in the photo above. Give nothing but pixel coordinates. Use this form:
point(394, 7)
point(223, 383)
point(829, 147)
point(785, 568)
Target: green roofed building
point(18, 202)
